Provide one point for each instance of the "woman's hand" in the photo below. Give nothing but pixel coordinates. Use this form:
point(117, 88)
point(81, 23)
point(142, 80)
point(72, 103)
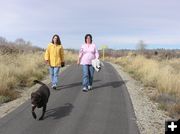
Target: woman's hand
point(62, 64)
point(47, 62)
point(78, 61)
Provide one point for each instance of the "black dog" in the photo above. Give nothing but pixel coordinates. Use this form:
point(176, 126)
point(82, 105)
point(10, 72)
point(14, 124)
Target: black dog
point(40, 98)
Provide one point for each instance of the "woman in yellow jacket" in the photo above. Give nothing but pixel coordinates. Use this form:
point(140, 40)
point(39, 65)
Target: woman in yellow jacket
point(54, 57)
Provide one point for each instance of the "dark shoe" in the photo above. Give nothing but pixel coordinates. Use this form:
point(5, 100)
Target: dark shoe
point(54, 87)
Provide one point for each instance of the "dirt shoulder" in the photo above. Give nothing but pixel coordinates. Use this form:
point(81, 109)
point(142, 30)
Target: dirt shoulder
point(150, 119)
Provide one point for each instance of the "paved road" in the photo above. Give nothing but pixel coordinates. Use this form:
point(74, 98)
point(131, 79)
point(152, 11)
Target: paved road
point(105, 110)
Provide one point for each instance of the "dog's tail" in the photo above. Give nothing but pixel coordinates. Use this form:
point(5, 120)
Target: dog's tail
point(39, 82)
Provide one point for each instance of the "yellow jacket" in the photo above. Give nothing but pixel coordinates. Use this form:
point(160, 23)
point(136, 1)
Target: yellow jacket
point(54, 54)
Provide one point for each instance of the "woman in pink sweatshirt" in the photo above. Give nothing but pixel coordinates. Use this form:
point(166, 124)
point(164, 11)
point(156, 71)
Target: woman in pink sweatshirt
point(87, 53)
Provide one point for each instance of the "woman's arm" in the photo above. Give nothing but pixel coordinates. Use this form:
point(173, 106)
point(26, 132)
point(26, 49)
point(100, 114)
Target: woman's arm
point(62, 54)
point(46, 55)
point(80, 55)
point(96, 53)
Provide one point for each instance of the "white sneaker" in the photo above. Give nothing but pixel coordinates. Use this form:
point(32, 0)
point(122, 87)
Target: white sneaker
point(89, 87)
point(84, 89)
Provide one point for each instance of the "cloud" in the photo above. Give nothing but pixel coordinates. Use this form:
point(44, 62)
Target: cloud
point(128, 21)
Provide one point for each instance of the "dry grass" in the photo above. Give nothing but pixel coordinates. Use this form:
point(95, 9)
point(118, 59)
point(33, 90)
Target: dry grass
point(21, 63)
point(163, 76)
point(19, 70)
point(70, 57)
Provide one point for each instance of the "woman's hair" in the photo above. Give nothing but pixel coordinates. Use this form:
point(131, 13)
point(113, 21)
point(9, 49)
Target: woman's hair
point(87, 36)
point(58, 39)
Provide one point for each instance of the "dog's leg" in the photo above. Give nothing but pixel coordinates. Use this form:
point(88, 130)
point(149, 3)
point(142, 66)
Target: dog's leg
point(33, 113)
point(43, 112)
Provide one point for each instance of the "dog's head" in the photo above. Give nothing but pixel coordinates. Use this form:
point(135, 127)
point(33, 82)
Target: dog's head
point(96, 64)
point(35, 99)
point(98, 68)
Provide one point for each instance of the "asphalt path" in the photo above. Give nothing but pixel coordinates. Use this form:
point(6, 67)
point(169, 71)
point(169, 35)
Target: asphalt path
point(107, 109)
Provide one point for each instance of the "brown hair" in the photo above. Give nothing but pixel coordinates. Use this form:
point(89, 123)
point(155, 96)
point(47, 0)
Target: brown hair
point(87, 36)
point(58, 39)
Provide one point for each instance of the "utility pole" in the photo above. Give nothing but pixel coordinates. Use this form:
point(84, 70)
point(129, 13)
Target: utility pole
point(103, 47)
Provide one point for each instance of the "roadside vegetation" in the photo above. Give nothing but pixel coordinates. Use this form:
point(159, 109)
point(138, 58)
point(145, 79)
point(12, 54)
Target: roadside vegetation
point(21, 63)
point(158, 71)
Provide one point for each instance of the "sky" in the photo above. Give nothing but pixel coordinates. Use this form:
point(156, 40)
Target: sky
point(118, 24)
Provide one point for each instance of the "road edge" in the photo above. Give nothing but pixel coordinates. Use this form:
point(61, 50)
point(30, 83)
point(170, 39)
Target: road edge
point(149, 118)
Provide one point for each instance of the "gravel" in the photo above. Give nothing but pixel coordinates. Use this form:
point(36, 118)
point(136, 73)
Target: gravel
point(150, 119)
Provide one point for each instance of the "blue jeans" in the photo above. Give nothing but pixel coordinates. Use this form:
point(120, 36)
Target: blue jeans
point(88, 72)
point(54, 71)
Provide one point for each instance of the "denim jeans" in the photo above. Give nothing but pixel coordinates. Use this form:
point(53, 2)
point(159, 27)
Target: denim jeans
point(54, 72)
point(88, 72)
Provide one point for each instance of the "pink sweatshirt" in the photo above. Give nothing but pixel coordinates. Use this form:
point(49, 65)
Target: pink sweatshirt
point(88, 53)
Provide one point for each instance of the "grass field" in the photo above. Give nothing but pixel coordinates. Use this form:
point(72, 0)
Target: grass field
point(19, 70)
point(162, 77)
